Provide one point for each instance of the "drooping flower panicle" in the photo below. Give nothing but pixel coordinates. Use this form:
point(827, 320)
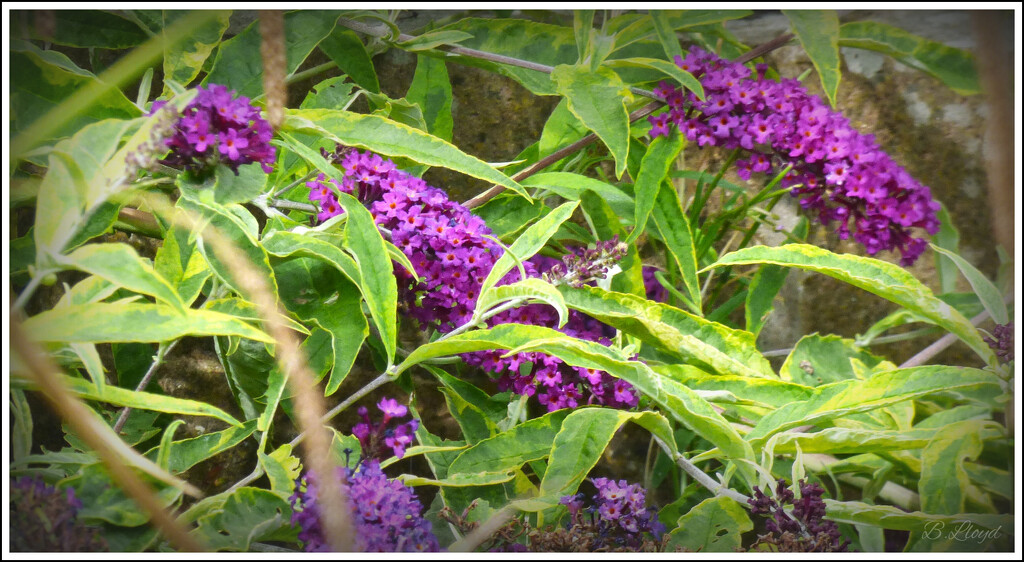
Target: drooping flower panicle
point(386, 514)
point(838, 173)
point(616, 518)
point(380, 440)
point(453, 252)
point(806, 530)
point(216, 127)
point(45, 519)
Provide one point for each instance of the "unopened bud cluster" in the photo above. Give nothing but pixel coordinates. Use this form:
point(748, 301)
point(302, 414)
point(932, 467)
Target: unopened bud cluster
point(588, 265)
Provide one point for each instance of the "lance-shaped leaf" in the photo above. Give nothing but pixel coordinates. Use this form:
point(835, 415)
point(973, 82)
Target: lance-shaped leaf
point(390, 138)
point(529, 243)
point(571, 186)
point(680, 402)
point(187, 453)
point(674, 229)
point(121, 265)
point(884, 279)
point(182, 265)
point(818, 32)
point(654, 169)
point(433, 39)
point(889, 517)
point(185, 58)
point(684, 78)
point(431, 89)
point(841, 440)
point(145, 401)
point(985, 289)
point(282, 243)
point(380, 289)
point(503, 336)
point(818, 359)
point(461, 480)
point(532, 289)
point(248, 515)
point(955, 67)
point(509, 450)
point(102, 322)
point(944, 481)
point(580, 443)
point(773, 393)
point(855, 396)
point(598, 98)
point(724, 349)
point(239, 66)
point(348, 52)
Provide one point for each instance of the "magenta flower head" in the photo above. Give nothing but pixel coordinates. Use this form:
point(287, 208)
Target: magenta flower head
point(381, 440)
point(837, 172)
point(217, 128)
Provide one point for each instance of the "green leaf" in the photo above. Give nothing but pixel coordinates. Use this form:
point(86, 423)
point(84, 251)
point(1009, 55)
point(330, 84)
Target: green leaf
point(282, 468)
point(333, 93)
point(889, 517)
point(69, 192)
point(145, 401)
point(653, 170)
point(532, 289)
point(726, 350)
point(955, 67)
point(509, 450)
point(948, 237)
point(818, 32)
point(348, 52)
point(282, 243)
point(432, 39)
point(104, 501)
point(875, 276)
point(318, 294)
point(42, 85)
point(817, 360)
point(526, 40)
point(674, 229)
point(761, 293)
point(684, 78)
point(121, 265)
point(841, 441)
point(248, 515)
point(773, 393)
point(432, 91)
point(507, 215)
point(389, 138)
point(571, 186)
point(714, 525)
point(461, 480)
point(944, 480)
point(880, 390)
point(240, 227)
point(102, 322)
point(185, 58)
point(238, 64)
point(985, 289)
point(528, 244)
point(666, 35)
point(583, 30)
point(94, 29)
point(560, 130)
point(378, 284)
point(598, 98)
point(182, 265)
point(187, 453)
point(580, 443)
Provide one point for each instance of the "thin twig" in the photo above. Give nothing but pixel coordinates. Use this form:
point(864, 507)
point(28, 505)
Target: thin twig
point(158, 360)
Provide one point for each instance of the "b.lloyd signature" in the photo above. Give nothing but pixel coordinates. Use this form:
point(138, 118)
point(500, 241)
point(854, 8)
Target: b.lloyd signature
point(963, 531)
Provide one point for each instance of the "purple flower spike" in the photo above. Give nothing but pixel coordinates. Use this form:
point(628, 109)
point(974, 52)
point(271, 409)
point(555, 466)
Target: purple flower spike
point(838, 173)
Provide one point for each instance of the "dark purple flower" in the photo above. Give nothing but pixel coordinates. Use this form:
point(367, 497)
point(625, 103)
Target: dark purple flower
point(381, 440)
point(45, 519)
point(835, 167)
point(386, 514)
point(1002, 341)
point(617, 515)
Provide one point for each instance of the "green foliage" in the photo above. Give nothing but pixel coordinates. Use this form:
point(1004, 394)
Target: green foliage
point(920, 449)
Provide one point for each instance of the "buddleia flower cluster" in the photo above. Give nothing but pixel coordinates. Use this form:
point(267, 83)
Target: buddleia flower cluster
point(453, 251)
point(615, 519)
point(838, 173)
point(45, 519)
point(806, 530)
point(379, 440)
point(386, 515)
point(217, 127)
